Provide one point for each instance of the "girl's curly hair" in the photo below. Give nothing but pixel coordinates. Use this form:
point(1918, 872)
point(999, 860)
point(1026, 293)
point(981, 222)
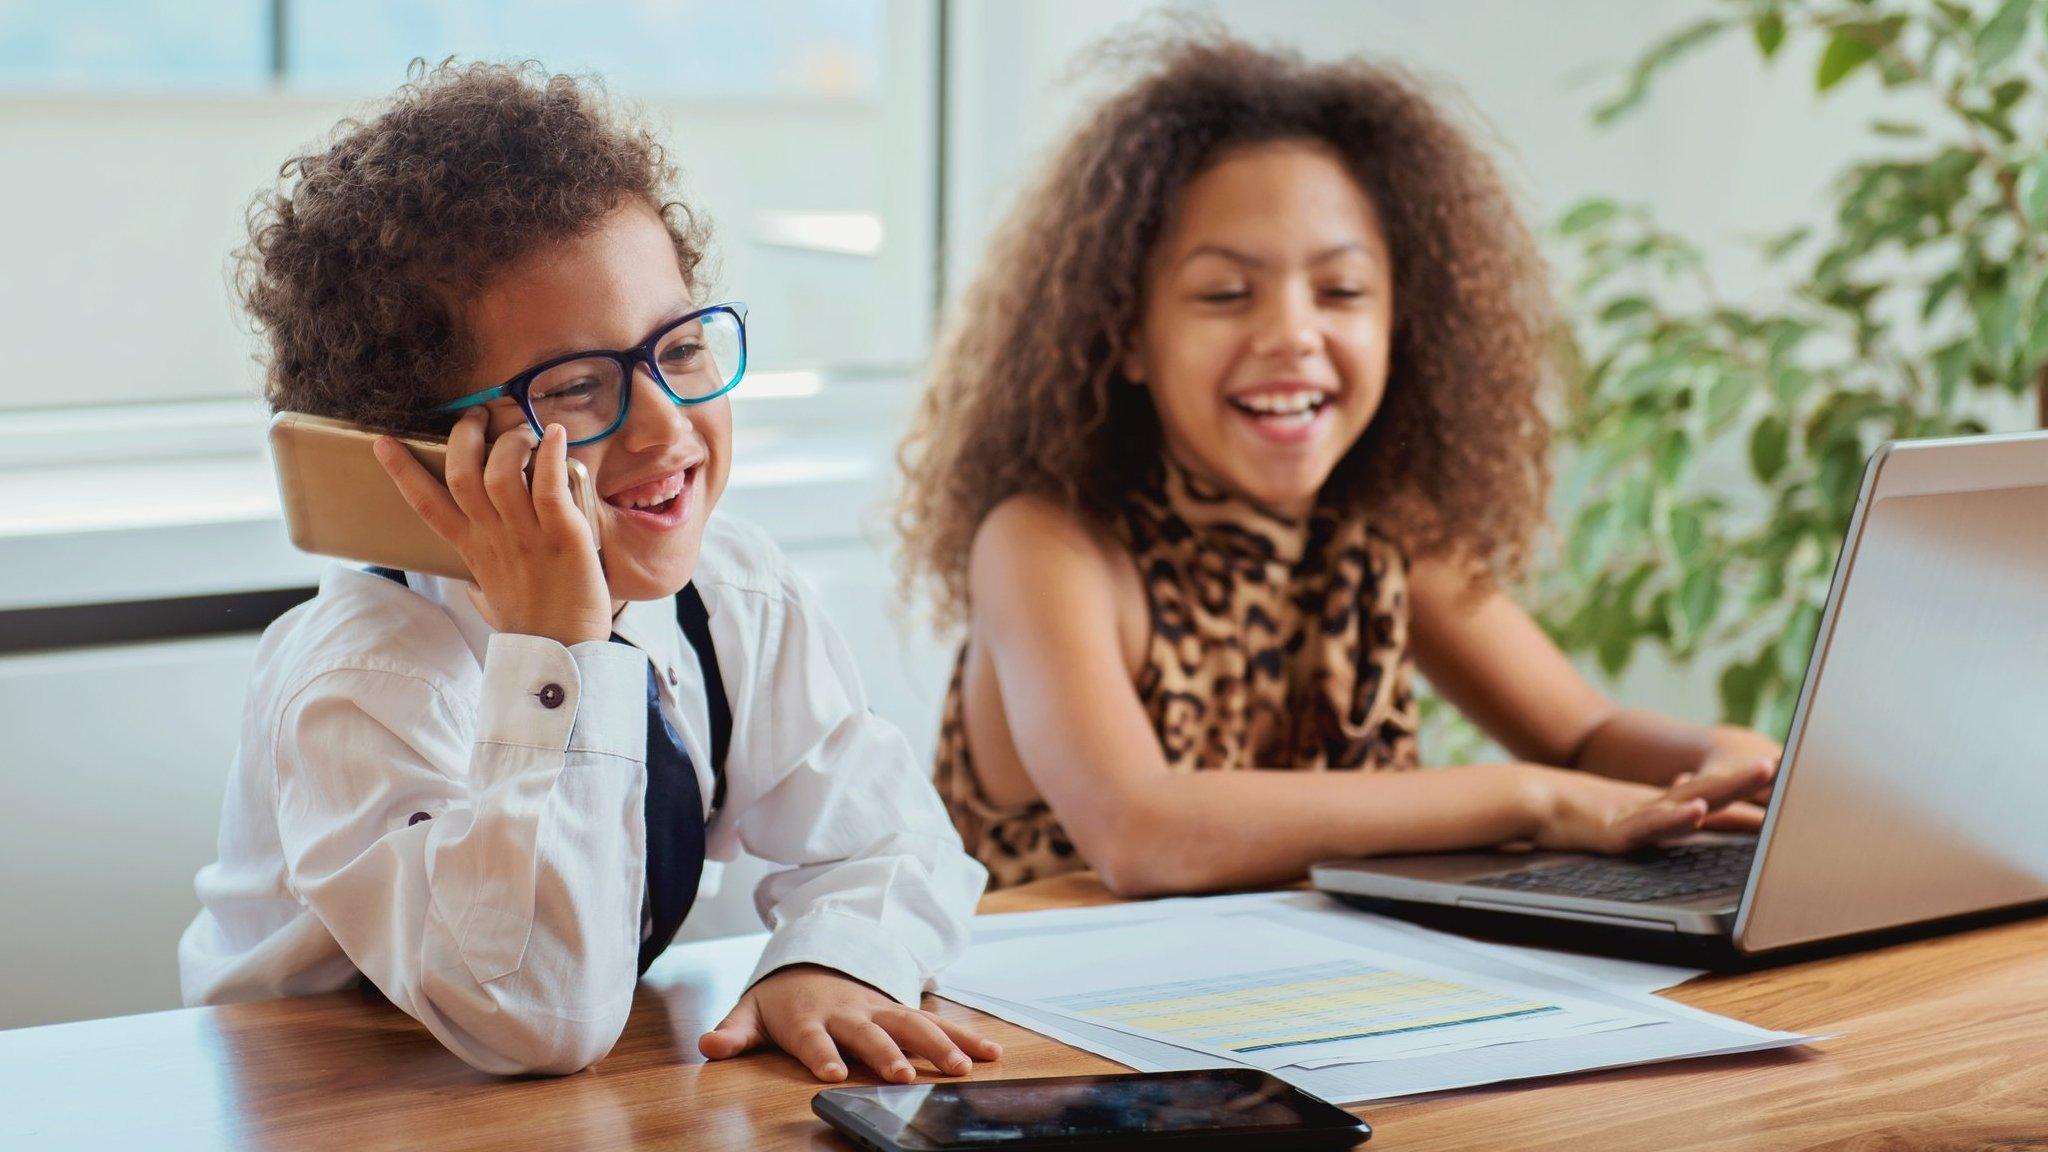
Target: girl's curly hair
point(1025, 393)
point(358, 262)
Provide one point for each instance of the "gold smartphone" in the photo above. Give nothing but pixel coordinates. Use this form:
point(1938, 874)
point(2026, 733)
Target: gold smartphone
point(338, 500)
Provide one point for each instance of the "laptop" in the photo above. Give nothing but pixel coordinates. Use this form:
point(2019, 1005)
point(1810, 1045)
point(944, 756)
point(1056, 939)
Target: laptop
point(1914, 787)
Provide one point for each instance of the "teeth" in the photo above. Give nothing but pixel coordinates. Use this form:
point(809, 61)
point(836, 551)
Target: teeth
point(668, 491)
point(1283, 403)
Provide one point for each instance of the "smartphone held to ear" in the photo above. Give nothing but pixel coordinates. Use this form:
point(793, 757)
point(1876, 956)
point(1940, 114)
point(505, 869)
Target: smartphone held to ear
point(338, 500)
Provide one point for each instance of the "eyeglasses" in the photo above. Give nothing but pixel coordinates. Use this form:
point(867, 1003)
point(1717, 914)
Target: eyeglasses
point(695, 359)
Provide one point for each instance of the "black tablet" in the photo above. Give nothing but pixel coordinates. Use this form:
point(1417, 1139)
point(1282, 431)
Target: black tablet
point(1222, 1108)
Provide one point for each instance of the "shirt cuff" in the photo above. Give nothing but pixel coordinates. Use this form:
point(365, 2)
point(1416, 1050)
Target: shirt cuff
point(857, 947)
point(589, 698)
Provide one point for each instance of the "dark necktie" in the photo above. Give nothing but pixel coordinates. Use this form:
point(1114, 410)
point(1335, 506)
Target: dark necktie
point(675, 828)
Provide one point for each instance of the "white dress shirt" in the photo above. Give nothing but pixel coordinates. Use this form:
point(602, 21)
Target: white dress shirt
point(407, 805)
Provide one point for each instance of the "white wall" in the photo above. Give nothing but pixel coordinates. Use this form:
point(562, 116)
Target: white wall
point(1724, 149)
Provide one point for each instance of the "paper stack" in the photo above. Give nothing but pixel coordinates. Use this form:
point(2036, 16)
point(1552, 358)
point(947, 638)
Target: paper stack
point(1345, 1004)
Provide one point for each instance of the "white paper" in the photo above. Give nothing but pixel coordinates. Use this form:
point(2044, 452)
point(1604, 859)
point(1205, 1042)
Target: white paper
point(1607, 972)
point(1250, 989)
point(1678, 1031)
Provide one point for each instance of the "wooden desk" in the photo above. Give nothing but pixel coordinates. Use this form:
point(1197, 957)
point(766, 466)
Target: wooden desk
point(1943, 1044)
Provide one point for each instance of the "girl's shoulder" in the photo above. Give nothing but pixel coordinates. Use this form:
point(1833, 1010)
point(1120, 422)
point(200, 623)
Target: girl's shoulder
point(1034, 554)
point(1033, 530)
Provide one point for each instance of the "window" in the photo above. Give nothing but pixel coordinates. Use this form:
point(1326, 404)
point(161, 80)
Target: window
point(667, 50)
point(136, 134)
point(135, 45)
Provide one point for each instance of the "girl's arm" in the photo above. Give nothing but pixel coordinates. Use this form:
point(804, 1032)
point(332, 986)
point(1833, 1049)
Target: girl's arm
point(1043, 592)
point(1483, 653)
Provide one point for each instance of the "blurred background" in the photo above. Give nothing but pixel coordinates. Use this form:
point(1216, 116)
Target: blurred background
point(853, 155)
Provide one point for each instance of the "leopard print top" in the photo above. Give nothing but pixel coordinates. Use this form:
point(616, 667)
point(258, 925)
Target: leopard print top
point(1274, 644)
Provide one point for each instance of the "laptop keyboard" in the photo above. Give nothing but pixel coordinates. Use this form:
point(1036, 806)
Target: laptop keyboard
point(1675, 873)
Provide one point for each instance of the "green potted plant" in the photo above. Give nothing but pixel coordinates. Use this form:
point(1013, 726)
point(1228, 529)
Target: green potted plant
point(1714, 446)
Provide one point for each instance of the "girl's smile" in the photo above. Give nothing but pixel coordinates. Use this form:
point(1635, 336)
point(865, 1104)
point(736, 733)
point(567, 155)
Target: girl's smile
point(1265, 331)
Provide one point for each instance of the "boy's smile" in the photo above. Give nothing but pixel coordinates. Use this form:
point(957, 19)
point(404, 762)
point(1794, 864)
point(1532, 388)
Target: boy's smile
point(660, 474)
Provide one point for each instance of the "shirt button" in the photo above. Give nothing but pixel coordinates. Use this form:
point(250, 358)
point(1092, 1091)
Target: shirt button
point(416, 818)
point(671, 677)
point(551, 695)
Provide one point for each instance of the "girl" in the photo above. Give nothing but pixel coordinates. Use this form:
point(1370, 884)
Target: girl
point(1239, 425)
point(493, 801)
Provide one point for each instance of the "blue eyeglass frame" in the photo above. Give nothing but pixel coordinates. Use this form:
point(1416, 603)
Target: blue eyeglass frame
point(641, 354)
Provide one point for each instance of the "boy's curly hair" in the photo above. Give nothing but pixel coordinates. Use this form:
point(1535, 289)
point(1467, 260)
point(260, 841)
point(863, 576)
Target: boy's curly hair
point(358, 262)
point(1025, 393)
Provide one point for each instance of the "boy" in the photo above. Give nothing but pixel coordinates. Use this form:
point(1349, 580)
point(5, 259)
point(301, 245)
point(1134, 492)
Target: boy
point(493, 800)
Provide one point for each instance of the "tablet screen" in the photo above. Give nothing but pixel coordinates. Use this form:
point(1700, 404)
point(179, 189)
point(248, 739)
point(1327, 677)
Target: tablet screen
point(970, 1114)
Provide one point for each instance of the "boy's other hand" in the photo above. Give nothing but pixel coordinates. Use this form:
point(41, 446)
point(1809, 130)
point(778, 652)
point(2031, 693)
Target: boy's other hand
point(528, 548)
point(816, 1014)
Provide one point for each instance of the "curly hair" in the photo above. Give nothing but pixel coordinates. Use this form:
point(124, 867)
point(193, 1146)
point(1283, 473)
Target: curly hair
point(358, 262)
point(1025, 393)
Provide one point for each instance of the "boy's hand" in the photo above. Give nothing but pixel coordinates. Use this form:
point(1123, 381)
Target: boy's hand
point(529, 551)
point(814, 1013)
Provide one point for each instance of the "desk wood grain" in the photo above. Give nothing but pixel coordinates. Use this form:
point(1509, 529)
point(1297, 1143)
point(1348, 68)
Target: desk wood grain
point(1940, 1044)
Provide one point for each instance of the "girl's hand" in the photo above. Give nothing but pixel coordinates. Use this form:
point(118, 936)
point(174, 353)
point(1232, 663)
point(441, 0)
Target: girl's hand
point(1581, 812)
point(1735, 747)
point(530, 552)
point(814, 1014)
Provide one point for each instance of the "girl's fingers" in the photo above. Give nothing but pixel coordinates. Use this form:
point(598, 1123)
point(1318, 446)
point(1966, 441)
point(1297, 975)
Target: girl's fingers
point(920, 1035)
point(1739, 817)
point(872, 1045)
point(466, 468)
point(1723, 788)
point(424, 494)
point(505, 477)
point(1659, 821)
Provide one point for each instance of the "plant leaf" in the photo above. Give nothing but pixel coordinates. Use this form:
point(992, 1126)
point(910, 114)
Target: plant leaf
point(1795, 645)
point(1624, 308)
point(1951, 369)
point(2002, 35)
point(1587, 215)
point(2037, 333)
point(1769, 447)
point(1699, 598)
point(1725, 397)
point(1741, 685)
point(1687, 533)
point(1662, 55)
point(1845, 53)
point(1674, 454)
point(1769, 30)
point(2033, 191)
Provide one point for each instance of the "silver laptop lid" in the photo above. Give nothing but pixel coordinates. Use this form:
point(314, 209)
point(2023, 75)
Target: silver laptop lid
point(1916, 773)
